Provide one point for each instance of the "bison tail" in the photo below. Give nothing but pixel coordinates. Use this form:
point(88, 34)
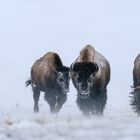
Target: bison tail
point(28, 82)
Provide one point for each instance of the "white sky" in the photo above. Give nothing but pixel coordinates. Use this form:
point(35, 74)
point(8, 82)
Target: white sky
point(30, 28)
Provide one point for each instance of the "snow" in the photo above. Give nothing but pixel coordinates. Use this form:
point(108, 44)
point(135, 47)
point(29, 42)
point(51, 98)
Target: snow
point(43, 126)
point(30, 28)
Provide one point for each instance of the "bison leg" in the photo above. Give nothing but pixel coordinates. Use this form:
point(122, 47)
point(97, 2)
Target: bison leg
point(51, 100)
point(99, 104)
point(36, 95)
point(84, 105)
point(60, 101)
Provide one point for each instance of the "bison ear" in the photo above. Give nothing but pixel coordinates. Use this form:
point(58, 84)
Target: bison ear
point(62, 69)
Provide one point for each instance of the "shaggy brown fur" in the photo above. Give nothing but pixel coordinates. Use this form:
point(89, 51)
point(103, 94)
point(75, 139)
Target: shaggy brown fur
point(86, 54)
point(50, 76)
point(43, 71)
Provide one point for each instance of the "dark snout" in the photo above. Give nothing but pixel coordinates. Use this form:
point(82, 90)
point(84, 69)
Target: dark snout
point(83, 91)
point(66, 88)
point(83, 94)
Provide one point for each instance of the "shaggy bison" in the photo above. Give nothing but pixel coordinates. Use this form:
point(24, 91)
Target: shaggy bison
point(135, 98)
point(90, 75)
point(50, 76)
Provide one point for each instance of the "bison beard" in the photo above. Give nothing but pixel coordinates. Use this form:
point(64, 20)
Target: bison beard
point(55, 101)
point(93, 105)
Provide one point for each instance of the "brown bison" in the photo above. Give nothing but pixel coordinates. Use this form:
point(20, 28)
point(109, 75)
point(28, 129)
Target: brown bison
point(90, 75)
point(50, 76)
point(135, 98)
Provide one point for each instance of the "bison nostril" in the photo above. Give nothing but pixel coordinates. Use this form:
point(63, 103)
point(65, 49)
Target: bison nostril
point(66, 90)
point(84, 91)
point(83, 95)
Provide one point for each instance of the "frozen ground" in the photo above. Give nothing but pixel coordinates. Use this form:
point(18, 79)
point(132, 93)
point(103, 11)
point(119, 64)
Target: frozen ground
point(30, 28)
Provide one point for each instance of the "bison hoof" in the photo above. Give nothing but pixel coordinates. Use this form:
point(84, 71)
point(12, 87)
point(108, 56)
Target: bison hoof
point(55, 110)
point(36, 109)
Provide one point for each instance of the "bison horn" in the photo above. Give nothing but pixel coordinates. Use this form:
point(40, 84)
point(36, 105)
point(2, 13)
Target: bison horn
point(72, 72)
point(96, 66)
point(71, 67)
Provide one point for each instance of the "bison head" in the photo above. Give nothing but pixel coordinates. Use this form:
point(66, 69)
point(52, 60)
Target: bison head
point(63, 78)
point(83, 75)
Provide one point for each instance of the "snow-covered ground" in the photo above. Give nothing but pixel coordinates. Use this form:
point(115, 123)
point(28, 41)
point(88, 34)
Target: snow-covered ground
point(30, 28)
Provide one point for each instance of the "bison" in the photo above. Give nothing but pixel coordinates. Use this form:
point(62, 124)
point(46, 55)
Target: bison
point(90, 75)
point(49, 75)
point(135, 94)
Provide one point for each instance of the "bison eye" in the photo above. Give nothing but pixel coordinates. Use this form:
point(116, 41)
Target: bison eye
point(89, 80)
point(61, 80)
point(78, 79)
